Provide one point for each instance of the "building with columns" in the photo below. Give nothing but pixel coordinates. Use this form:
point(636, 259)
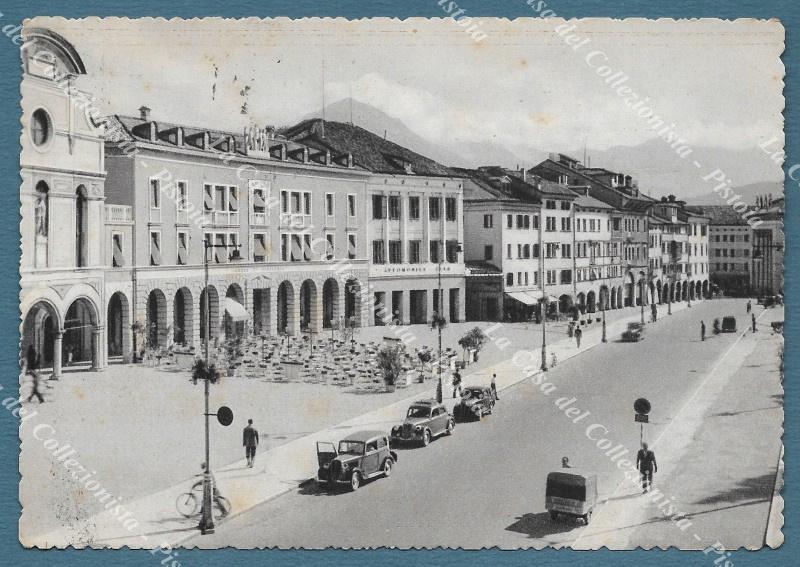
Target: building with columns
point(413, 226)
point(281, 223)
point(62, 297)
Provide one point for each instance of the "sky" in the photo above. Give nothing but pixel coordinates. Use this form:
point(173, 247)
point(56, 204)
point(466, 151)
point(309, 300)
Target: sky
point(522, 86)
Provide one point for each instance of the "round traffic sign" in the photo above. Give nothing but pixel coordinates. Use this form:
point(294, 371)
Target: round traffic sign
point(225, 415)
point(641, 406)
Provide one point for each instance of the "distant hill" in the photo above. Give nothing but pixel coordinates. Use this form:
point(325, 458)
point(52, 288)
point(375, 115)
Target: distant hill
point(660, 171)
point(748, 194)
point(656, 167)
point(466, 154)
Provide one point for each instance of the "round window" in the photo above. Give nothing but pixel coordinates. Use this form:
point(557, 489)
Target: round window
point(41, 129)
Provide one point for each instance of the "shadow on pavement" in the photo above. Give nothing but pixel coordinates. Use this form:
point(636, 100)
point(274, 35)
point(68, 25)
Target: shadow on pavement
point(541, 525)
point(758, 489)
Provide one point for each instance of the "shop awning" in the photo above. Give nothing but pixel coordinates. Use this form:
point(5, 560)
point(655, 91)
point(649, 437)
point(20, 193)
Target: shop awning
point(235, 310)
point(523, 297)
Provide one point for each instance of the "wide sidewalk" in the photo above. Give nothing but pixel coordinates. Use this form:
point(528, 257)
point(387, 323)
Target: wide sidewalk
point(286, 467)
point(719, 460)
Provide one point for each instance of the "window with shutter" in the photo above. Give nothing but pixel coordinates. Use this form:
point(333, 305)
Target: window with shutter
point(117, 260)
point(155, 248)
point(183, 252)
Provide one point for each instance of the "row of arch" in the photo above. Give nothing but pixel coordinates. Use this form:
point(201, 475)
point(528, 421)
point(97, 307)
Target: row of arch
point(292, 310)
point(631, 294)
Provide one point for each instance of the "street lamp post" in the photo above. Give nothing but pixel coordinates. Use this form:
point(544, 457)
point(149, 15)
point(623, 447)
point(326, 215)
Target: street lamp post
point(207, 517)
point(641, 296)
point(691, 288)
point(605, 301)
point(669, 295)
point(543, 254)
point(439, 320)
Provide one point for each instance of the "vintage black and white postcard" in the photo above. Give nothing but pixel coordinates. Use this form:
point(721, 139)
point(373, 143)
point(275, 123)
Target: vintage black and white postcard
point(457, 282)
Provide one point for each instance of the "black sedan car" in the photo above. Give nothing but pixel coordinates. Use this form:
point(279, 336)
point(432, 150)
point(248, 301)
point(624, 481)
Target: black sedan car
point(476, 401)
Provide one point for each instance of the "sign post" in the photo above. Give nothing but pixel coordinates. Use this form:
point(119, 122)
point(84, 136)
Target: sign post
point(642, 407)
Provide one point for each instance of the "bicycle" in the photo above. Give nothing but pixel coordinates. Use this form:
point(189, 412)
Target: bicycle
point(189, 503)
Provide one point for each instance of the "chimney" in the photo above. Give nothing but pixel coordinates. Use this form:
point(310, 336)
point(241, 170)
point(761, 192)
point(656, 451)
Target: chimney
point(144, 113)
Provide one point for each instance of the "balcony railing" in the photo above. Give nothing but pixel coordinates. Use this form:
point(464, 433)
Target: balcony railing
point(155, 215)
point(225, 218)
point(258, 219)
point(182, 217)
point(295, 220)
point(119, 213)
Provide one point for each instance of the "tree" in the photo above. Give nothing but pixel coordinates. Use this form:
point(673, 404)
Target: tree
point(390, 363)
point(474, 339)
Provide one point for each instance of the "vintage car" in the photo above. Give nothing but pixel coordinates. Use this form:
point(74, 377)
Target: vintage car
point(360, 456)
point(634, 333)
point(476, 401)
point(425, 420)
point(729, 324)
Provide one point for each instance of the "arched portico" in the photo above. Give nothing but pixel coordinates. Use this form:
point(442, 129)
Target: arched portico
point(118, 327)
point(81, 334)
point(42, 335)
point(288, 316)
point(183, 317)
point(330, 303)
point(310, 315)
point(591, 302)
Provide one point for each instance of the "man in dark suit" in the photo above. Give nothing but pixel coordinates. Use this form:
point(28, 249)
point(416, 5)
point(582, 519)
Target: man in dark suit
point(646, 463)
point(250, 442)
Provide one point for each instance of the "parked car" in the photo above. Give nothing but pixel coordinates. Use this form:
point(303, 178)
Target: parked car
point(360, 456)
point(634, 333)
point(476, 401)
point(729, 324)
point(425, 420)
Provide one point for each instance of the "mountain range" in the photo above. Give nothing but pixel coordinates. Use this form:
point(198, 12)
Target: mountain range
point(656, 167)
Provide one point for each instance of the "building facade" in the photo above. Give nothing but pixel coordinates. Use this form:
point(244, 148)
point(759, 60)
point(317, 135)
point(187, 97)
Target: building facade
point(62, 207)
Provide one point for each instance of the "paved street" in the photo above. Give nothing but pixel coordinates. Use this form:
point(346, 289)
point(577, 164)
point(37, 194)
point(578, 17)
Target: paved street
point(484, 486)
point(87, 411)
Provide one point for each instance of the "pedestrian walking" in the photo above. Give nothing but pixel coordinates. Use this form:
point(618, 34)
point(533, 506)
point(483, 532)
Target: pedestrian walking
point(702, 331)
point(749, 306)
point(753, 316)
point(250, 442)
point(32, 368)
point(456, 383)
point(653, 312)
point(578, 335)
point(646, 463)
point(494, 387)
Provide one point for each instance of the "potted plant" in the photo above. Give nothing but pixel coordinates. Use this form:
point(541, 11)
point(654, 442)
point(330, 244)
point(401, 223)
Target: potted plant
point(390, 363)
point(202, 372)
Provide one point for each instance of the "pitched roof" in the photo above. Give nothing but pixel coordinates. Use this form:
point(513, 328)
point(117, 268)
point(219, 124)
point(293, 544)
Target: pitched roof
point(589, 202)
point(720, 214)
point(499, 184)
point(139, 130)
point(482, 268)
point(369, 150)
